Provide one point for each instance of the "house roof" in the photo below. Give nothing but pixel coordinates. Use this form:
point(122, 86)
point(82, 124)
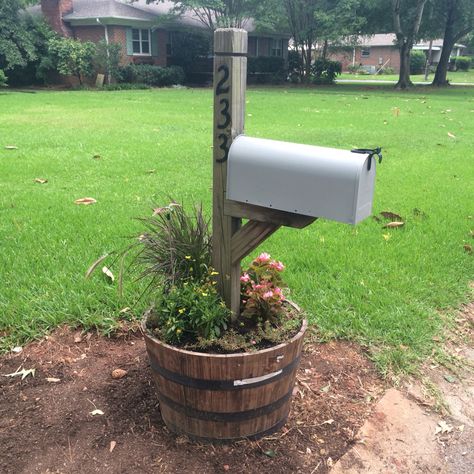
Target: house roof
point(390, 39)
point(92, 9)
point(136, 10)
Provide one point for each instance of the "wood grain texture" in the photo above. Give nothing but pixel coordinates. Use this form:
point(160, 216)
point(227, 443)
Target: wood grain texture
point(265, 214)
point(249, 237)
point(235, 411)
point(230, 75)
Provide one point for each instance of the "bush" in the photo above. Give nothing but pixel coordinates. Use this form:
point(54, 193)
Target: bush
point(156, 76)
point(417, 62)
point(124, 86)
point(463, 63)
point(73, 57)
point(353, 69)
point(387, 70)
point(107, 58)
point(324, 71)
point(3, 79)
point(263, 70)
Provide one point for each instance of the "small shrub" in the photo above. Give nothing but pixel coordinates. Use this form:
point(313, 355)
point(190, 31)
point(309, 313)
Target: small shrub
point(353, 69)
point(3, 79)
point(417, 62)
point(188, 312)
point(175, 247)
point(73, 57)
point(324, 71)
point(124, 86)
point(387, 70)
point(264, 70)
point(463, 63)
point(261, 294)
point(150, 75)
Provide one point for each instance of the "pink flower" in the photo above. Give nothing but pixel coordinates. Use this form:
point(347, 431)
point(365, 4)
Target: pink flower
point(267, 295)
point(278, 266)
point(263, 258)
point(245, 278)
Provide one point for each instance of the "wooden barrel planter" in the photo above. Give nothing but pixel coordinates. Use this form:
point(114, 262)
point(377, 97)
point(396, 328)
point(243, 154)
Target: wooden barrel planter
point(214, 397)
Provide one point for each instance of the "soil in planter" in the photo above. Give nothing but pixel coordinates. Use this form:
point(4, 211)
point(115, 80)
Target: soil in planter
point(242, 337)
point(47, 426)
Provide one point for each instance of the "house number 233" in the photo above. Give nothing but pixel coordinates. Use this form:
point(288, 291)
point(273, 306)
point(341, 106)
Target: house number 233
point(222, 88)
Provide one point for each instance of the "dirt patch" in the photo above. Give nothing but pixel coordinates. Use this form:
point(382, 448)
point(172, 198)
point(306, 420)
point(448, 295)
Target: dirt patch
point(48, 426)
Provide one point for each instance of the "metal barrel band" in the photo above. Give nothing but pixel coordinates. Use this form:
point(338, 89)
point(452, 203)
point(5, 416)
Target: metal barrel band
point(255, 436)
point(203, 384)
point(227, 417)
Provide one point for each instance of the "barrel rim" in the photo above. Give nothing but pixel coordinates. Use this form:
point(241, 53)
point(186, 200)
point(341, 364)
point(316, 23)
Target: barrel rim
point(296, 337)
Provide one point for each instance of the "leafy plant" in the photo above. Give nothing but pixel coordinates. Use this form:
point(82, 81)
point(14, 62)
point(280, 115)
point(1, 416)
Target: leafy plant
point(324, 71)
point(73, 58)
point(189, 311)
point(261, 290)
point(175, 247)
point(417, 62)
point(463, 63)
point(3, 79)
point(148, 74)
point(107, 58)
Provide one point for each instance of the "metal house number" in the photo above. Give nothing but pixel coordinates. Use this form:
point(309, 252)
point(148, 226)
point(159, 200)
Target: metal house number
point(223, 88)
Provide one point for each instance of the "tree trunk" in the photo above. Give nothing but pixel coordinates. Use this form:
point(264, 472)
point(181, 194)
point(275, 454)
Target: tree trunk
point(324, 53)
point(440, 79)
point(307, 62)
point(404, 81)
point(429, 59)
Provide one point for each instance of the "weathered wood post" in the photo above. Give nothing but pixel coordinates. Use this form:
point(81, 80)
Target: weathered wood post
point(230, 79)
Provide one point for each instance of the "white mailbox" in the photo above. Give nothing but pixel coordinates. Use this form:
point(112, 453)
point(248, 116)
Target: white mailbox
point(302, 179)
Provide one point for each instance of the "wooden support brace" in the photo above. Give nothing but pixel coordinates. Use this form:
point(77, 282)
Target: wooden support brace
point(249, 237)
point(263, 214)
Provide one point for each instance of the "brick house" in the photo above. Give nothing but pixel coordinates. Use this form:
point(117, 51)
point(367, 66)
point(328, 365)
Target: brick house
point(145, 31)
point(380, 50)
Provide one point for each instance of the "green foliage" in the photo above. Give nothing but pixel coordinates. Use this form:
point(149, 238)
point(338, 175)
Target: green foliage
point(40, 69)
point(266, 69)
point(324, 71)
point(225, 13)
point(156, 76)
point(73, 57)
point(463, 63)
point(261, 295)
point(387, 71)
point(417, 62)
point(16, 41)
point(188, 47)
point(189, 311)
point(124, 86)
point(175, 247)
point(3, 79)
point(107, 58)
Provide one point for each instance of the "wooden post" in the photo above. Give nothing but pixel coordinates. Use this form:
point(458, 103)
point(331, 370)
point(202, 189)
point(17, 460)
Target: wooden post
point(230, 79)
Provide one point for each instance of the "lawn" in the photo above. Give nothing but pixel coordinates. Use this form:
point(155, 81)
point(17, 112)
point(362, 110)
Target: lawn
point(388, 289)
point(454, 77)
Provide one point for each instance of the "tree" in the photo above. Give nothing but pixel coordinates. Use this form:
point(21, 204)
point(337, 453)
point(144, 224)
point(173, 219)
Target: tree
point(458, 20)
point(406, 16)
point(74, 58)
point(223, 13)
point(16, 42)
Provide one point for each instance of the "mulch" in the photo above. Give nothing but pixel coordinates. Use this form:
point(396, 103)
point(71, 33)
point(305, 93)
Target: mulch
point(47, 426)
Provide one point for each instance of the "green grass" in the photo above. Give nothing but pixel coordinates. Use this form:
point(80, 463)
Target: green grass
point(454, 77)
point(390, 295)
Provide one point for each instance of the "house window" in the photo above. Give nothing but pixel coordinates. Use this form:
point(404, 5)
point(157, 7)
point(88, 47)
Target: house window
point(365, 53)
point(276, 47)
point(141, 41)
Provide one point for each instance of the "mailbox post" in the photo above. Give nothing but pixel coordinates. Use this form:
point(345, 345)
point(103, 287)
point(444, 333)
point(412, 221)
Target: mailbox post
point(302, 182)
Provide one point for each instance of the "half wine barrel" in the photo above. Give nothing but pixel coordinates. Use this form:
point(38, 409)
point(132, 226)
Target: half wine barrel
point(224, 397)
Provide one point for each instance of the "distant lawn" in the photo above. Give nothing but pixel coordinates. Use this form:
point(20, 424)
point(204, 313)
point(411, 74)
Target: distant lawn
point(388, 289)
point(463, 77)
